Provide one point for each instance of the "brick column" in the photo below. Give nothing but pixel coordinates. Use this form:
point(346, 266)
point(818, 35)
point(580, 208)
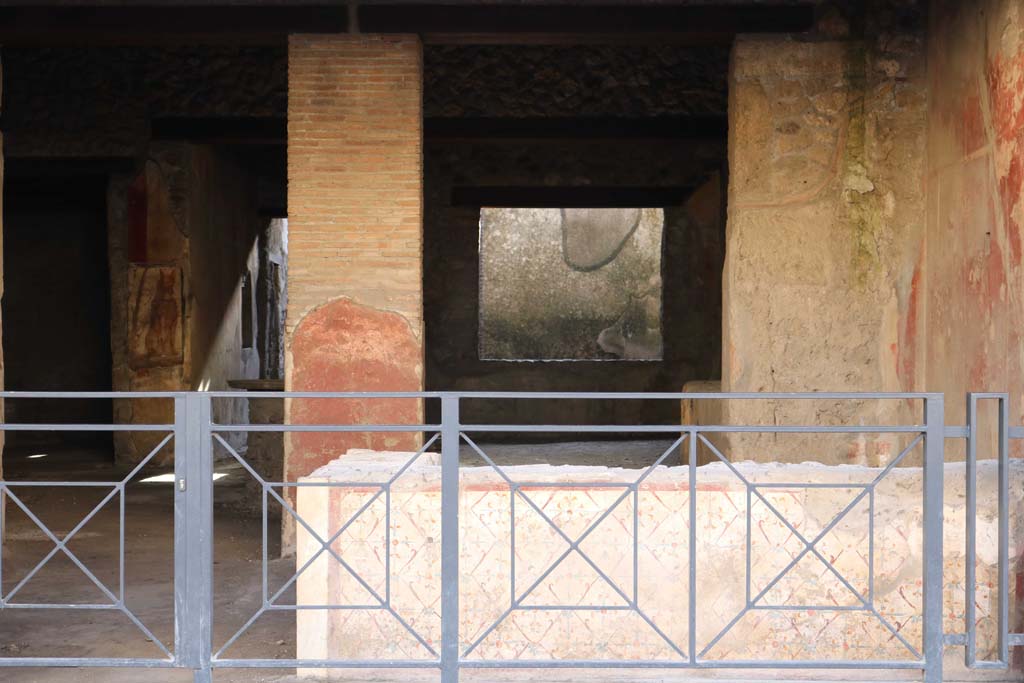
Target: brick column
point(355, 177)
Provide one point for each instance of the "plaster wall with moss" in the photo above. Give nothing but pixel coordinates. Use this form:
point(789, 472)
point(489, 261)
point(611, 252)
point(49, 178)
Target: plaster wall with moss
point(824, 235)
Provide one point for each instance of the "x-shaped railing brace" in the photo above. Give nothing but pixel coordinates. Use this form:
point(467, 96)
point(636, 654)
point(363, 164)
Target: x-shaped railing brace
point(325, 546)
point(61, 545)
point(574, 546)
point(811, 546)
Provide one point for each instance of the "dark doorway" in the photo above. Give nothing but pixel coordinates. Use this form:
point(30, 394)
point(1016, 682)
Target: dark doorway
point(56, 303)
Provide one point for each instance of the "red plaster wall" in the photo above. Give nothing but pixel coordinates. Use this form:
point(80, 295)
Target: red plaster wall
point(975, 283)
point(344, 346)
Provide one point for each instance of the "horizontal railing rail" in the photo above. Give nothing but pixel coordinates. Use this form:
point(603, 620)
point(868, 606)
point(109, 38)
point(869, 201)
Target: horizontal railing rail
point(195, 435)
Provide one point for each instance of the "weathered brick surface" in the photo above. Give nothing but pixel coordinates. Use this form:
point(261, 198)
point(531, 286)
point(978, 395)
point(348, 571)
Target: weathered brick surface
point(355, 173)
point(355, 296)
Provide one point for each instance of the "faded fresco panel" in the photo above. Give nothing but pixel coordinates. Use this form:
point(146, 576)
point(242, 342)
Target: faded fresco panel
point(155, 324)
point(570, 284)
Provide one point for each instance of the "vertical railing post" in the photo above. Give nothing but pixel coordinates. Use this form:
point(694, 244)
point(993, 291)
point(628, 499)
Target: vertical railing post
point(1004, 530)
point(183, 647)
point(692, 546)
point(193, 532)
point(1002, 659)
point(934, 465)
point(970, 545)
point(450, 538)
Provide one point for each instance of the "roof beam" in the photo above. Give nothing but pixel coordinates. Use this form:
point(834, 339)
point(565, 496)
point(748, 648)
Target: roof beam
point(438, 22)
point(143, 25)
point(568, 197)
point(567, 129)
point(582, 24)
point(274, 131)
point(229, 130)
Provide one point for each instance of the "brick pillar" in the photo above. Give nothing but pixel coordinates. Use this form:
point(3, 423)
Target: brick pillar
point(355, 177)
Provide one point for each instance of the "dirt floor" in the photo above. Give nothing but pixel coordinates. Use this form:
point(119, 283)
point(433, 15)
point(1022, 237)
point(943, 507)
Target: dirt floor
point(148, 570)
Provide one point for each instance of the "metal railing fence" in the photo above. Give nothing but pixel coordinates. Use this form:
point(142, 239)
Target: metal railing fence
point(194, 436)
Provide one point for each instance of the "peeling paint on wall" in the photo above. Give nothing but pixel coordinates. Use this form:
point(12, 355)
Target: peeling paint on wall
point(975, 311)
point(824, 237)
point(346, 346)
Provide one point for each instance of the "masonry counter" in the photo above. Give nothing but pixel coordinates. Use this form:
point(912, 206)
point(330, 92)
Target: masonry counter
point(793, 561)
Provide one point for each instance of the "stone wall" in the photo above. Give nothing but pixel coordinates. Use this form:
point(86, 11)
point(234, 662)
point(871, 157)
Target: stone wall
point(222, 250)
point(578, 80)
point(355, 292)
point(99, 101)
point(825, 234)
point(885, 568)
point(975, 279)
point(894, 164)
point(182, 234)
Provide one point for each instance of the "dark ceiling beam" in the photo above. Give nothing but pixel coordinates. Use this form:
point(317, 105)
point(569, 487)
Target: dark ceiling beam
point(439, 22)
point(143, 25)
point(54, 184)
point(568, 24)
point(53, 167)
point(569, 197)
point(575, 128)
point(274, 131)
point(688, 39)
point(247, 130)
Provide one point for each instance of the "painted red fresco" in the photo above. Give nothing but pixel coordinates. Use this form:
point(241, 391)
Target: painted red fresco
point(137, 210)
point(971, 122)
point(995, 276)
point(906, 358)
point(1006, 85)
point(1006, 94)
point(345, 346)
point(1010, 188)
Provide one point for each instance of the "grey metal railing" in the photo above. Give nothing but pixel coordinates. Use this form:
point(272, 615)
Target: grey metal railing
point(195, 435)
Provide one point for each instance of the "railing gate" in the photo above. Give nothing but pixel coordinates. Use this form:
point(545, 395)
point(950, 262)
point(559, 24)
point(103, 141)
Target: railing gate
point(194, 434)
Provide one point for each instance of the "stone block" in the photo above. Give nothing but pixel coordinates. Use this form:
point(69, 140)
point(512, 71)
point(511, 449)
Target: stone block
point(800, 613)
